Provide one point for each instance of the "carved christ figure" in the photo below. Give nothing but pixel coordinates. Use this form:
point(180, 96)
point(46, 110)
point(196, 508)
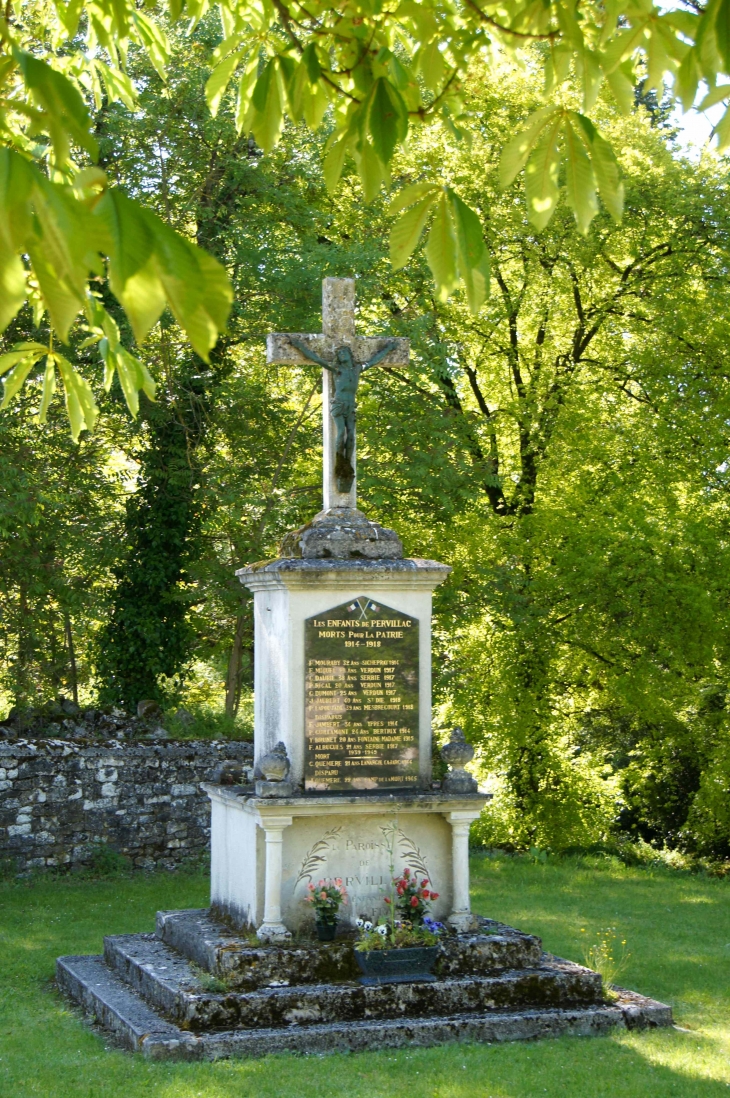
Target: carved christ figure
point(343, 406)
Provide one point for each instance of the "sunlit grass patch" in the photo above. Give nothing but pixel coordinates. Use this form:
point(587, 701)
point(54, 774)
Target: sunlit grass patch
point(676, 927)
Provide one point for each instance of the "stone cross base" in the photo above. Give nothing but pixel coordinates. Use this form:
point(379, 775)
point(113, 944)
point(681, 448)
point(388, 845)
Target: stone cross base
point(265, 852)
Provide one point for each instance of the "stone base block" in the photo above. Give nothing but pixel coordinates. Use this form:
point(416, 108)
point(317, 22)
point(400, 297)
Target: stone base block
point(274, 789)
point(244, 965)
point(107, 1001)
point(168, 1003)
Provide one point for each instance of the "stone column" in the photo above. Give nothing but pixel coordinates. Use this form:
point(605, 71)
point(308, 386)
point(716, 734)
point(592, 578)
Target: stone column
point(272, 927)
point(461, 918)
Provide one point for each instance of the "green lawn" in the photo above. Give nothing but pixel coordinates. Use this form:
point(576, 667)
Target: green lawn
point(677, 927)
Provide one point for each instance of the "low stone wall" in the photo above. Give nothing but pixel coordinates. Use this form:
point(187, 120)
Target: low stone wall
point(60, 800)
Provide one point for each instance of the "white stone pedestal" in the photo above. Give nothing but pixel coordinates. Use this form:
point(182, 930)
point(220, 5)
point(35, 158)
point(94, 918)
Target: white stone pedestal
point(342, 677)
point(266, 851)
point(286, 593)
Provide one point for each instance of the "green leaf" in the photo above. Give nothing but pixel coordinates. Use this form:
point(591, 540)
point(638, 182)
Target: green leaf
point(686, 22)
point(605, 167)
point(268, 116)
point(622, 88)
point(658, 61)
point(722, 32)
point(472, 255)
point(64, 249)
point(151, 265)
point(69, 14)
point(592, 77)
point(49, 389)
point(310, 60)
point(334, 161)
point(17, 376)
point(315, 105)
point(228, 45)
point(580, 180)
point(541, 179)
point(18, 180)
point(370, 169)
point(441, 251)
point(133, 276)
point(432, 66)
point(12, 284)
point(245, 92)
point(722, 131)
point(19, 353)
point(154, 40)
point(68, 118)
point(717, 95)
point(80, 403)
point(516, 152)
point(406, 232)
point(133, 376)
point(413, 193)
point(118, 85)
point(218, 81)
point(387, 118)
point(620, 47)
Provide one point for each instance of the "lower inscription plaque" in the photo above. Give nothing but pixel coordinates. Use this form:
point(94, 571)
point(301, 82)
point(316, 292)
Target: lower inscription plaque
point(361, 703)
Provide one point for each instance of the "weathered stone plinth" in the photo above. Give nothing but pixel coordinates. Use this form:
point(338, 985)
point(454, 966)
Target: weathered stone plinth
point(195, 990)
point(342, 533)
point(265, 852)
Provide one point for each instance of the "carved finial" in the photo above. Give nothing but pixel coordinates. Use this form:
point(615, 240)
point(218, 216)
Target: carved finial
point(456, 754)
point(272, 771)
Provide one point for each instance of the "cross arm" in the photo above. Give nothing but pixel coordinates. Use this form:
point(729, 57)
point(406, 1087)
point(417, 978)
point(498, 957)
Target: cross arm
point(384, 351)
point(310, 354)
point(372, 350)
point(281, 350)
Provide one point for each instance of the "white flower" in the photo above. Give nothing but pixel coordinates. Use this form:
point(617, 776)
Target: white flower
point(360, 924)
point(367, 925)
point(382, 930)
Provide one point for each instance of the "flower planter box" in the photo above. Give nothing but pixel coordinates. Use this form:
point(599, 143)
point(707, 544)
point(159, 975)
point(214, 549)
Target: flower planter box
point(397, 966)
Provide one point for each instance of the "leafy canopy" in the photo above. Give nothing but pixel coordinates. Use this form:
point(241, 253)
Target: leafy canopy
point(375, 68)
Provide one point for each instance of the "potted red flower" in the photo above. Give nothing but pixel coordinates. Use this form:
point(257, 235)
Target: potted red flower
point(326, 899)
point(404, 948)
point(412, 898)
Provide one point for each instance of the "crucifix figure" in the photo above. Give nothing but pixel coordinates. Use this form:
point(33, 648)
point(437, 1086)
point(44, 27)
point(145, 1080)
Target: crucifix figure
point(343, 356)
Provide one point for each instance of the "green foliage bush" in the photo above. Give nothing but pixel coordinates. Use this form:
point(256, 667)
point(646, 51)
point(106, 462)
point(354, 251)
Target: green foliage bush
point(205, 723)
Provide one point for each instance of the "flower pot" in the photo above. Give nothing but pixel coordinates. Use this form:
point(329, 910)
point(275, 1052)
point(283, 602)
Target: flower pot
point(326, 931)
point(397, 966)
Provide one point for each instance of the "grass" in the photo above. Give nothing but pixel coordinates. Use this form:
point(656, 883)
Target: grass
point(677, 928)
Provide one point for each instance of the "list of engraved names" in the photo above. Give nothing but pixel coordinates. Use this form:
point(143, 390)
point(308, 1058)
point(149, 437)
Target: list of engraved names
point(361, 704)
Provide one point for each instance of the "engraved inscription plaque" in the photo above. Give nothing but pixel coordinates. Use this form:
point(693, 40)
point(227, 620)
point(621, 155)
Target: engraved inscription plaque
point(361, 703)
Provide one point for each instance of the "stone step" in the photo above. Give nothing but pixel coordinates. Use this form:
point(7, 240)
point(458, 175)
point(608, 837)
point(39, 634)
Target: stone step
point(169, 983)
point(246, 965)
point(107, 1000)
point(112, 1004)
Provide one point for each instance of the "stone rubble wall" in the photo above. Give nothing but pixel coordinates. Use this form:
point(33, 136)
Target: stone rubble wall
point(60, 800)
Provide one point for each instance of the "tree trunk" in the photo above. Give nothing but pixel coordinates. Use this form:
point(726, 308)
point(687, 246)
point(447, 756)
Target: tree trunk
point(71, 656)
point(233, 678)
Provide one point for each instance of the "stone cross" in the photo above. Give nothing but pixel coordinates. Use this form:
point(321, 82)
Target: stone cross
point(343, 355)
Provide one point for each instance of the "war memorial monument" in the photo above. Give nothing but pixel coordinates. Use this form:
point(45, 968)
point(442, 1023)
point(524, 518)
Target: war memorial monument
point(341, 788)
